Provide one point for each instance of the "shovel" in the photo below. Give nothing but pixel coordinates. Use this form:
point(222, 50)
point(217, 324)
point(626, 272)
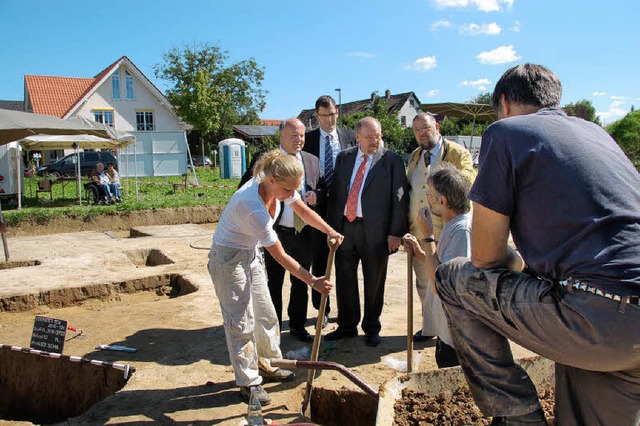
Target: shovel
point(409, 311)
point(316, 341)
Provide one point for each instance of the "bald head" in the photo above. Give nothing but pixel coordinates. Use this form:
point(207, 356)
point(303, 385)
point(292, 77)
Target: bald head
point(292, 135)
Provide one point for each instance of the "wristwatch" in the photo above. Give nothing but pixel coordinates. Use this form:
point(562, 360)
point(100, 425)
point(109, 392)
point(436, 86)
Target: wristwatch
point(429, 240)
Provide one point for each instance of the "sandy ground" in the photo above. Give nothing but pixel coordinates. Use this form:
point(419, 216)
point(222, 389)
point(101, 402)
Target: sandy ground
point(182, 371)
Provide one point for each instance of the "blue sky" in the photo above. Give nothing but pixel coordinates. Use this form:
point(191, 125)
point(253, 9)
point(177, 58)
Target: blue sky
point(443, 50)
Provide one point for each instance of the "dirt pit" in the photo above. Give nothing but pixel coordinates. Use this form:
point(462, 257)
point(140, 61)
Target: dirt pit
point(183, 374)
point(451, 408)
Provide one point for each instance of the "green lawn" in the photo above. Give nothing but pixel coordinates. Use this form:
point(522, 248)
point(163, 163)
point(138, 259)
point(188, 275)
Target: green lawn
point(156, 192)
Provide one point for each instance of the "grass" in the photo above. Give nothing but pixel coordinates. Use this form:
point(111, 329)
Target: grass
point(153, 192)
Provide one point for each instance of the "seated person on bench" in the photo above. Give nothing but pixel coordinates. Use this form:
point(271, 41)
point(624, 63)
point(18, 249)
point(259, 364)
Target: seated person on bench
point(114, 181)
point(101, 180)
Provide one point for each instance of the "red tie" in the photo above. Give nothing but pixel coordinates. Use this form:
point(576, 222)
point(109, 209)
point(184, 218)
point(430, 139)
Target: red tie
point(352, 199)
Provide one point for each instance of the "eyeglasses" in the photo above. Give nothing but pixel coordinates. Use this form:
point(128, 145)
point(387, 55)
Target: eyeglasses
point(371, 137)
point(332, 115)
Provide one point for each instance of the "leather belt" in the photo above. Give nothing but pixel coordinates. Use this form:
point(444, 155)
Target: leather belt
point(579, 285)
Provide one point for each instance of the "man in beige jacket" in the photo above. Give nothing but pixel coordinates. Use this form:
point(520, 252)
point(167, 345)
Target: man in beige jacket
point(432, 150)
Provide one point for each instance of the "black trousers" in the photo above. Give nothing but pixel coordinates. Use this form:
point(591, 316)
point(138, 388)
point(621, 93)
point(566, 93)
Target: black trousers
point(319, 266)
point(353, 250)
point(297, 246)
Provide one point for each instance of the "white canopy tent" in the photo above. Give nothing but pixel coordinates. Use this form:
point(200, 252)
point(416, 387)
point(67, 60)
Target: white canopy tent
point(76, 142)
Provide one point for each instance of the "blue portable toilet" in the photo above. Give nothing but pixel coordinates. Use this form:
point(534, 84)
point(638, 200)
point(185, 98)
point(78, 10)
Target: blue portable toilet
point(233, 160)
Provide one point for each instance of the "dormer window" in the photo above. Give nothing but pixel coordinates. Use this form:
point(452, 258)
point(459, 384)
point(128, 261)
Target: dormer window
point(115, 86)
point(129, 87)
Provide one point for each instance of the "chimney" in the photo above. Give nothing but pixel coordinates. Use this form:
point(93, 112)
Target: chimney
point(387, 93)
point(373, 96)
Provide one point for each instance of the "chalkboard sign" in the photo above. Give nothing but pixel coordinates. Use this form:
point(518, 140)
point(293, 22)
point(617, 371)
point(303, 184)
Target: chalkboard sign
point(48, 334)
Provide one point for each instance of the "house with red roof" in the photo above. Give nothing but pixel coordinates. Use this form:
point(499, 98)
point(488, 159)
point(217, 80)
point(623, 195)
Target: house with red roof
point(122, 97)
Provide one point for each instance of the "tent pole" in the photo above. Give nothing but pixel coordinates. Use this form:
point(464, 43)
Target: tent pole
point(135, 165)
point(18, 180)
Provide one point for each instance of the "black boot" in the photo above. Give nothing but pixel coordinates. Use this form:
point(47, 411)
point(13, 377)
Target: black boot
point(535, 418)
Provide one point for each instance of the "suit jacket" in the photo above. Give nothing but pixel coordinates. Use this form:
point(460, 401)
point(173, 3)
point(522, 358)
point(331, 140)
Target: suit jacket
point(450, 152)
point(384, 196)
point(347, 139)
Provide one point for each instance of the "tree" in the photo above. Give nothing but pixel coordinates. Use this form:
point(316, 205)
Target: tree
point(583, 109)
point(483, 98)
point(209, 93)
point(626, 133)
point(397, 138)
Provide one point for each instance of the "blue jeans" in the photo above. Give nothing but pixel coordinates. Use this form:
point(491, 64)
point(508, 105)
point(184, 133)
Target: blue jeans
point(594, 342)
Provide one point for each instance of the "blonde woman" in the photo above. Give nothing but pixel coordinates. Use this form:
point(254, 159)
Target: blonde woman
point(237, 271)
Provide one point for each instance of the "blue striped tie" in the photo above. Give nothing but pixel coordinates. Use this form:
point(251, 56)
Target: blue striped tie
point(328, 162)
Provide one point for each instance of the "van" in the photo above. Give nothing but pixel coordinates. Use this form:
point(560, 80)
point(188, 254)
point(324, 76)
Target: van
point(66, 166)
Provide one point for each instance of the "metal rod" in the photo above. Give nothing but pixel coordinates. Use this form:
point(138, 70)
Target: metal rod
point(409, 311)
point(326, 365)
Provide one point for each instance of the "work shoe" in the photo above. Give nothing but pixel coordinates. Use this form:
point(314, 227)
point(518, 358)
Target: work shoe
point(340, 333)
point(373, 339)
point(535, 418)
point(261, 394)
point(302, 334)
point(280, 375)
point(419, 338)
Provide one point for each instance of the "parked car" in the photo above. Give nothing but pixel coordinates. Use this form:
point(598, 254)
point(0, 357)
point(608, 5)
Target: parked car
point(198, 162)
point(66, 166)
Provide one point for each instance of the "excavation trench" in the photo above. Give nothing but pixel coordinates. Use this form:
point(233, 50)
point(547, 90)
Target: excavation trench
point(43, 388)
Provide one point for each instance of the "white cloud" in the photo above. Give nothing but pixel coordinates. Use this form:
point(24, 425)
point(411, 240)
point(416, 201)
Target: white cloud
point(516, 27)
point(597, 93)
point(480, 29)
point(443, 23)
point(423, 64)
point(615, 112)
point(500, 55)
point(480, 84)
point(481, 5)
point(617, 97)
point(365, 55)
point(433, 92)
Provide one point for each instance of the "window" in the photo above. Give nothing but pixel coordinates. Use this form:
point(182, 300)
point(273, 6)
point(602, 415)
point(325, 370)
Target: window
point(130, 90)
point(115, 86)
point(103, 116)
point(144, 121)
point(403, 121)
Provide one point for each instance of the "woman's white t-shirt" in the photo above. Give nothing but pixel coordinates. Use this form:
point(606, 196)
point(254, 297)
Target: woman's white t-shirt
point(245, 221)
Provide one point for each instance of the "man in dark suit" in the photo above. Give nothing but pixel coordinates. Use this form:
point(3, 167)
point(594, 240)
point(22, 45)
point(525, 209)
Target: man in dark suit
point(293, 234)
point(317, 142)
point(368, 205)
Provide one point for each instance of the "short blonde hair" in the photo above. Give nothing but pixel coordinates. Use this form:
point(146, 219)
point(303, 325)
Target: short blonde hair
point(279, 165)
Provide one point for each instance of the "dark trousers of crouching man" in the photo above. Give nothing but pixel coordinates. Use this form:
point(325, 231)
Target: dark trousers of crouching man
point(593, 340)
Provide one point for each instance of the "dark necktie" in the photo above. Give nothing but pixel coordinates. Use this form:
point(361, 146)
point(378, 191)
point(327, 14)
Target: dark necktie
point(328, 162)
point(427, 158)
point(352, 198)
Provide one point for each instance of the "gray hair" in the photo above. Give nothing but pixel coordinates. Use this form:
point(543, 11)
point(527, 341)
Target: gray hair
point(450, 183)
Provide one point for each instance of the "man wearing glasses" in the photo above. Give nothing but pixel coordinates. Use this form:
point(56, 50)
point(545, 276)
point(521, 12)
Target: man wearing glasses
point(325, 142)
point(432, 150)
point(368, 205)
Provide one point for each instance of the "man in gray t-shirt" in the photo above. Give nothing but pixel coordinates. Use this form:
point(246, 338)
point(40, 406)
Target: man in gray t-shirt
point(447, 198)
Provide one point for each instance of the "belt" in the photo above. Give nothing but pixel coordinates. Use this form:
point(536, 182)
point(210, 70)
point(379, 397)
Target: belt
point(358, 219)
point(286, 229)
point(579, 285)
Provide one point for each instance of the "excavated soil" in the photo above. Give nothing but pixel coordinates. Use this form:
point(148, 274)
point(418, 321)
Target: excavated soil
point(117, 281)
point(455, 408)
